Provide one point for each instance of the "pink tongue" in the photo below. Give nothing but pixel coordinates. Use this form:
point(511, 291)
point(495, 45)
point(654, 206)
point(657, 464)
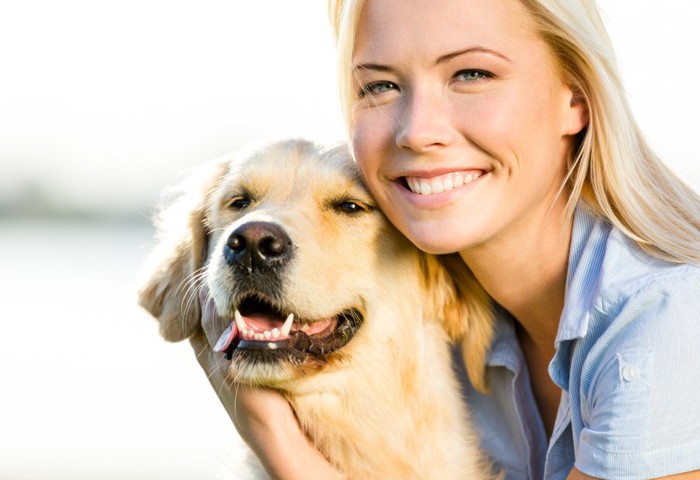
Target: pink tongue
point(318, 327)
point(226, 338)
point(262, 323)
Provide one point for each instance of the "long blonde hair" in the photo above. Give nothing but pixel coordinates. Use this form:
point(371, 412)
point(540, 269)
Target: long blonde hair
point(613, 170)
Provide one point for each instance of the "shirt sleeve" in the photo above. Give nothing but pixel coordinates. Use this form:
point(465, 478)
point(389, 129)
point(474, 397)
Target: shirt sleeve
point(642, 417)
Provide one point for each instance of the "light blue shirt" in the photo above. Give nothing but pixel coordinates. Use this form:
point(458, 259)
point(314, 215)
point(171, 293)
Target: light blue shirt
point(628, 363)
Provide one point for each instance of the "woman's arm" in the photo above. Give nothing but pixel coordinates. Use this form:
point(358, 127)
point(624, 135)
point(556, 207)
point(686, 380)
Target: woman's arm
point(637, 398)
point(265, 421)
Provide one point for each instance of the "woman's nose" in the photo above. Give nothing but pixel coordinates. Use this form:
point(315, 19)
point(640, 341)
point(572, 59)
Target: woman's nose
point(424, 122)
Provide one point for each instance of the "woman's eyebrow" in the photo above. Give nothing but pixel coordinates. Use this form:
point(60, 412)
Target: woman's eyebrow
point(449, 56)
point(378, 67)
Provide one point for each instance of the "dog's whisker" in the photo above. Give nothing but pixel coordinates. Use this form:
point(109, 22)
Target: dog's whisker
point(236, 387)
point(191, 294)
point(191, 285)
point(192, 280)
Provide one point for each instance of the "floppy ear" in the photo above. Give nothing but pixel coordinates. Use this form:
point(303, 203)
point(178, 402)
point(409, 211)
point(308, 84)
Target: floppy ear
point(463, 308)
point(168, 289)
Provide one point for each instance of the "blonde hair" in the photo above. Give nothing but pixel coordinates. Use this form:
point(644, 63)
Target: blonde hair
point(613, 170)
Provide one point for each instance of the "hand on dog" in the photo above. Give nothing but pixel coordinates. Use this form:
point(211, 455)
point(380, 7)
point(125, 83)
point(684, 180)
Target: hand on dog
point(264, 419)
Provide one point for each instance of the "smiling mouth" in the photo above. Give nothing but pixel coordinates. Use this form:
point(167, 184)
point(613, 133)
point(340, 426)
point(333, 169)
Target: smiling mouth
point(260, 326)
point(441, 183)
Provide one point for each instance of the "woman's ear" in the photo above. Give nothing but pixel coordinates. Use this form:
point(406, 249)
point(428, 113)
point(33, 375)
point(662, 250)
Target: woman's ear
point(168, 288)
point(460, 304)
point(578, 114)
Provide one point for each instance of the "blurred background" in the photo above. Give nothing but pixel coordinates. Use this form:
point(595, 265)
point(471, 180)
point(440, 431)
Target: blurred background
point(102, 105)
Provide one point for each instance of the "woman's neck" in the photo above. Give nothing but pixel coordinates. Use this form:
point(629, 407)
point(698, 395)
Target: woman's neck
point(525, 270)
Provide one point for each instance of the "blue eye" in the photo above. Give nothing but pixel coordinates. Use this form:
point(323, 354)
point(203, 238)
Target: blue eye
point(377, 88)
point(472, 75)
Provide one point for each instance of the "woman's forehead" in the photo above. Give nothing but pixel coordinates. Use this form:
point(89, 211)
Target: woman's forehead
point(388, 28)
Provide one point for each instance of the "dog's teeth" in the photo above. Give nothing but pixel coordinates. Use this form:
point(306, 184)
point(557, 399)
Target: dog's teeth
point(305, 326)
point(267, 334)
point(275, 334)
point(259, 336)
point(284, 331)
point(240, 323)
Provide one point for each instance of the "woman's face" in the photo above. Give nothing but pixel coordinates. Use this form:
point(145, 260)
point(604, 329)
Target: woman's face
point(462, 126)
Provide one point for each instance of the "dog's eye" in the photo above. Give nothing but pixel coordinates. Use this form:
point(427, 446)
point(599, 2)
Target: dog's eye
point(238, 203)
point(349, 207)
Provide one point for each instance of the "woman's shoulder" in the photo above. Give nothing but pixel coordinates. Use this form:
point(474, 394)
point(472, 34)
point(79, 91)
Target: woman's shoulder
point(628, 272)
point(613, 279)
point(635, 366)
point(611, 268)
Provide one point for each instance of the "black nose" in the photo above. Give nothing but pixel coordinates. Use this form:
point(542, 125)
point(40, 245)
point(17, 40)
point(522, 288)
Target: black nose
point(258, 246)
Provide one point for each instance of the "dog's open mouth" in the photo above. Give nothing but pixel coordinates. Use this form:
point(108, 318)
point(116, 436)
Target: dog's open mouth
point(258, 325)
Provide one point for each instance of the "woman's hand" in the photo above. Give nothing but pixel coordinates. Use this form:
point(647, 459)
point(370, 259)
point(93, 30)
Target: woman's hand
point(265, 421)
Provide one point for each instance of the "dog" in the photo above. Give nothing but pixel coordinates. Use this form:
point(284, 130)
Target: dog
point(279, 258)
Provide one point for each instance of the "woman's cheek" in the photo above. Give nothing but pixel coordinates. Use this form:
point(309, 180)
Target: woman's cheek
point(366, 148)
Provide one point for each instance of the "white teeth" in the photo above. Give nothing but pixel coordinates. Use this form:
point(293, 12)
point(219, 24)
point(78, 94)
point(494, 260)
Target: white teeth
point(441, 183)
point(249, 333)
point(305, 326)
point(284, 331)
point(436, 186)
point(240, 323)
point(447, 184)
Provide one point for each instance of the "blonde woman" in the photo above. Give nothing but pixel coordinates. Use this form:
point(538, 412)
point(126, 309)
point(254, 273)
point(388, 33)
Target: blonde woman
point(497, 131)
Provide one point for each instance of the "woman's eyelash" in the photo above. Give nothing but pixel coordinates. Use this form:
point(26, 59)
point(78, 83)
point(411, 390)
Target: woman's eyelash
point(383, 86)
point(376, 88)
point(473, 75)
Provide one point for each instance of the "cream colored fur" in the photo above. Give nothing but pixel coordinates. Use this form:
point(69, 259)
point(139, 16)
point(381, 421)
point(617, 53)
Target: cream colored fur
point(386, 405)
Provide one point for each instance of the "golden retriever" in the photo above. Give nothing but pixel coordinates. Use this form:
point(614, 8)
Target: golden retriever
point(281, 255)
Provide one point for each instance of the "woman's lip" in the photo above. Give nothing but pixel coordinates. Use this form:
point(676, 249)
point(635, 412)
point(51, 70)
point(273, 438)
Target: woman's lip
point(438, 199)
point(436, 172)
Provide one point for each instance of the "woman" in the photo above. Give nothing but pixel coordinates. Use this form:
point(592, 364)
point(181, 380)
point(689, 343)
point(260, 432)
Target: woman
point(498, 131)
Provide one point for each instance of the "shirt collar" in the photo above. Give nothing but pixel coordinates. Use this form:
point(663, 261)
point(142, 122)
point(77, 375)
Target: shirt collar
point(588, 242)
point(505, 350)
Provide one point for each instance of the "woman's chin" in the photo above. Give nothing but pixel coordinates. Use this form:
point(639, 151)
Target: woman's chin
point(436, 238)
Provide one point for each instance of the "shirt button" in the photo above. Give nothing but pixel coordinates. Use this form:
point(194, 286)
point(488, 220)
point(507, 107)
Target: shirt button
point(630, 373)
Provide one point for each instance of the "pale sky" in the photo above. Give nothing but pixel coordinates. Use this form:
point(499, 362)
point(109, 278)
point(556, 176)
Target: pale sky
point(102, 103)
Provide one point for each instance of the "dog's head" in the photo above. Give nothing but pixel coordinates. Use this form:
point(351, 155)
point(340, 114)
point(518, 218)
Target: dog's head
point(284, 256)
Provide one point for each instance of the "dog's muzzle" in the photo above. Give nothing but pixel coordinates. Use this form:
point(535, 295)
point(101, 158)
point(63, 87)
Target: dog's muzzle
point(259, 325)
